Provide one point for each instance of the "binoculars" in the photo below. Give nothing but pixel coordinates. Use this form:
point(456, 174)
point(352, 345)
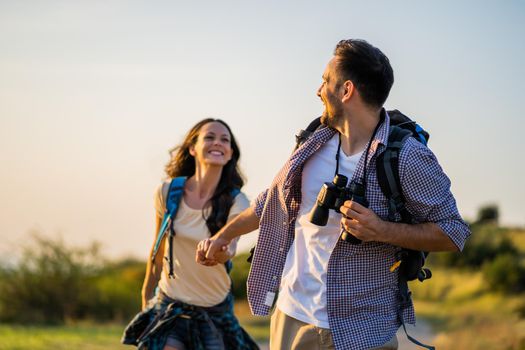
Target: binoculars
point(332, 196)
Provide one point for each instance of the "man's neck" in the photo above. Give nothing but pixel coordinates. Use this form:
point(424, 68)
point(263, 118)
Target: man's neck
point(356, 129)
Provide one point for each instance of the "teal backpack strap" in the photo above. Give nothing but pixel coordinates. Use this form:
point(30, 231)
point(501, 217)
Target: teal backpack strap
point(173, 198)
point(235, 192)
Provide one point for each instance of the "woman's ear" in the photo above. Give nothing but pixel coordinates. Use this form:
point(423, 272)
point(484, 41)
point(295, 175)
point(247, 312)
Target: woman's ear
point(191, 149)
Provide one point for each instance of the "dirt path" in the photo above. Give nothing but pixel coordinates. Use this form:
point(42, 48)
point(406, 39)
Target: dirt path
point(422, 332)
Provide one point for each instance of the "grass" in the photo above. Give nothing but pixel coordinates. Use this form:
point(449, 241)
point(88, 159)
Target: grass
point(465, 315)
point(81, 337)
point(89, 336)
point(462, 312)
point(257, 326)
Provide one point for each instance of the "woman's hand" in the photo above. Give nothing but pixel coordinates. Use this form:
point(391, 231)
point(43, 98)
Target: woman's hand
point(212, 251)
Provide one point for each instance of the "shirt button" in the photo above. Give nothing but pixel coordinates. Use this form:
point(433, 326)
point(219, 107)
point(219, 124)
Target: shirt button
point(281, 250)
point(274, 278)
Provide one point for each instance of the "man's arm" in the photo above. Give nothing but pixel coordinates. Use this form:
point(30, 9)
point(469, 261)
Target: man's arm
point(208, 249)
point(428, 198)
point(364, 224)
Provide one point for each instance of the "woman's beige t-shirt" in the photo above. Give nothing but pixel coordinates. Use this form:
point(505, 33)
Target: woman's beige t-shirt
point(193, 283)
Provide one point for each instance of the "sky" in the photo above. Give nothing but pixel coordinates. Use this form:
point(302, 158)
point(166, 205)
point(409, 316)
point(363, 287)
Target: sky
point(94, 93)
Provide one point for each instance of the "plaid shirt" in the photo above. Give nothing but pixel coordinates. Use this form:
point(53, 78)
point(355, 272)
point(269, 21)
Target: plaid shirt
point(362, 293)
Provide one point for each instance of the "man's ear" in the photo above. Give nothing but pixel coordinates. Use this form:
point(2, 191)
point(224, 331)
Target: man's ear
point(348, 90)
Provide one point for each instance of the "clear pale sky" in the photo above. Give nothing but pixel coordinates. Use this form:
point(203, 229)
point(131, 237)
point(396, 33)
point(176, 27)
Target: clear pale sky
point(94, 93)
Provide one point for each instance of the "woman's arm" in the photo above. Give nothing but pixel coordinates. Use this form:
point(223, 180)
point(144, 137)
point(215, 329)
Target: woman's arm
point(153, 268)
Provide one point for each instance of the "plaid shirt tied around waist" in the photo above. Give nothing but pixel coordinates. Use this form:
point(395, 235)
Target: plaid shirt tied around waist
point(362, 293)
point(149, 329)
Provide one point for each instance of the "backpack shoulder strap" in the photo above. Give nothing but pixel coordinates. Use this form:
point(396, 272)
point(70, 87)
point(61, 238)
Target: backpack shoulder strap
point(175, 194)
point(235, 192)
point(172, 200)
point(387, 168)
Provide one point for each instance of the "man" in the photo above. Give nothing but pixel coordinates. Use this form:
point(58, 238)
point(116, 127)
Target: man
point(331, 293)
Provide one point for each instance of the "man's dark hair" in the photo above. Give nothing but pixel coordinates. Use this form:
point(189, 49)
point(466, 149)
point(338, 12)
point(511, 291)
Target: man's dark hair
point(368, 69)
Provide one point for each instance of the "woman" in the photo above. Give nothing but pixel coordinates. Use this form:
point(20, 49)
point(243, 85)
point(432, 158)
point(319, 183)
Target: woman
point(193, 308)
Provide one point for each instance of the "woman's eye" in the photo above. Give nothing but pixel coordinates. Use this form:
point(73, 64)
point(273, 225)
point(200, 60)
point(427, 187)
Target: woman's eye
point(208, 137)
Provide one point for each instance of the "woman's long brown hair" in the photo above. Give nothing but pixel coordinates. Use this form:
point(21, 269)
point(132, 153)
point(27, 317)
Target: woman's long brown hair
point(182, 163)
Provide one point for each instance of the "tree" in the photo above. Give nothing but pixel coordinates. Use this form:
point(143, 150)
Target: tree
point(488, 214)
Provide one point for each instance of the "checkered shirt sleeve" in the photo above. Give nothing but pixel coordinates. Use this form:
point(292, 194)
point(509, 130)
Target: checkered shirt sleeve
point(427, 191)
point(258, 203)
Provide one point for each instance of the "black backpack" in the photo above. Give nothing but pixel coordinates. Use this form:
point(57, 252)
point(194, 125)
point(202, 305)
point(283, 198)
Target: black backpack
point(410, 262)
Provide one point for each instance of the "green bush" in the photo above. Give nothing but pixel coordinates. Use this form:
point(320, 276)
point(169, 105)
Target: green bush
point(488, 214)
point(505, 274)
point(485, 244)
point(239, 275)
point(118, 290)
point(53, 283)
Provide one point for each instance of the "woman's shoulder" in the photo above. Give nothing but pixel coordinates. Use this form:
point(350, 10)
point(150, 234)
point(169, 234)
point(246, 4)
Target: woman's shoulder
point(162, 189)
point(241, 196)
point(240, 202)
point(161, 193)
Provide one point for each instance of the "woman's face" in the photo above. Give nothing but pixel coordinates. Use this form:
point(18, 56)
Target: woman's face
point(213, 145)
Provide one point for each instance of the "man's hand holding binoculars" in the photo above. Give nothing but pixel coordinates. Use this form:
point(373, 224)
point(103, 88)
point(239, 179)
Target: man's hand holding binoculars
point(362, 222)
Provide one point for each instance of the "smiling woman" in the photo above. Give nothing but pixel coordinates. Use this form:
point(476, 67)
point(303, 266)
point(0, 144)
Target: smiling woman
point(194, 301)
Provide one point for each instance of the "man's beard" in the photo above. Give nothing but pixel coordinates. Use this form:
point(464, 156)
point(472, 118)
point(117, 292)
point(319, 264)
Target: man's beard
point(331, 119)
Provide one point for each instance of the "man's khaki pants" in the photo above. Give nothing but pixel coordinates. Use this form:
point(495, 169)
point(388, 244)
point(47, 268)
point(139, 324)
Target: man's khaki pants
point(287, 333)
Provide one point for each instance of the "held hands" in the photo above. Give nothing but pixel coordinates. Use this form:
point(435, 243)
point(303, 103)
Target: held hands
point(362, 222)
point(212, 251)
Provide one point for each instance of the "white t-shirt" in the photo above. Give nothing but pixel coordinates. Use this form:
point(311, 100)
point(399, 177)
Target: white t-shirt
point(302, 293)
point(193, 283)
